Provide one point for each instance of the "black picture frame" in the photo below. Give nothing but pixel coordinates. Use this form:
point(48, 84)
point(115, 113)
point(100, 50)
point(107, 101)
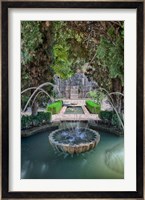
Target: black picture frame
point(5, 100)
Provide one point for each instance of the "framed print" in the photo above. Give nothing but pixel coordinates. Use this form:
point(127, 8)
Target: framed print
point(72, 99)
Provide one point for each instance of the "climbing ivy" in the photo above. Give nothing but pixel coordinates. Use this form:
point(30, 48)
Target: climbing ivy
point(64, 47)
point(36, 56)
point(67, 49)
point(110, 54)
point(31, 38)
point(36, 45)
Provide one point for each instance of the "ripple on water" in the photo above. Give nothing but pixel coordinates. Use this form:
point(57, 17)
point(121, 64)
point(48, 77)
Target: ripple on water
point(48, 164)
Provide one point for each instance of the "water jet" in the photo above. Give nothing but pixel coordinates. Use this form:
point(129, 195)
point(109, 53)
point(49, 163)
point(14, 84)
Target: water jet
point(74, 141)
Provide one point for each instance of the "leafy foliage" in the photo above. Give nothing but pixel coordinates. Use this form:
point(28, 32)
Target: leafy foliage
point(64, 47)
point(24, 99)
point(106, 57)
point(55, 107)
point(36, 55)
point(93, 107)
point(31, 38)
point(36, 41)
point(115, 122)
point(97, 96)
point(110, 118)
point(67, 49)
point(111, 56)
point(106, 116)
point(31, 121)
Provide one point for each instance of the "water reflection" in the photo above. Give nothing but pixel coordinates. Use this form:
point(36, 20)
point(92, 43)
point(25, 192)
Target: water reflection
point(114, 158)
point(40, 161)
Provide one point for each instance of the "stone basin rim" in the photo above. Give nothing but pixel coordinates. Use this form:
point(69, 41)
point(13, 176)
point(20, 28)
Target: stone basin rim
point(74, 148)
point(52, 139)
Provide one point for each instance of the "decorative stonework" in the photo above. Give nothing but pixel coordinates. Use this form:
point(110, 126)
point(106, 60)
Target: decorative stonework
point(74, 141)
point(75, 87)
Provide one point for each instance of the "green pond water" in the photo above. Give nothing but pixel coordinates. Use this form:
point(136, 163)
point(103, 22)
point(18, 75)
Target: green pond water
point(74, 110)
point(40, 161)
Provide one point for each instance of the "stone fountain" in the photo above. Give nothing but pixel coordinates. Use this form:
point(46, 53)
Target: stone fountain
point(75, 140)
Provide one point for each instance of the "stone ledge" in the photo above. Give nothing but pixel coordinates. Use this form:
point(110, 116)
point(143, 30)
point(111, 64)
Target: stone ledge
point(103, 128)
point(35, 130)
point(80, 147)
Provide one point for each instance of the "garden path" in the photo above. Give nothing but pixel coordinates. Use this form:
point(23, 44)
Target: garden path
point(76, 117)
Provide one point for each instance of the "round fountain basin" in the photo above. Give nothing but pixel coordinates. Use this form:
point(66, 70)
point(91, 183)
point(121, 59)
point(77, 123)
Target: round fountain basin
point(75, 140)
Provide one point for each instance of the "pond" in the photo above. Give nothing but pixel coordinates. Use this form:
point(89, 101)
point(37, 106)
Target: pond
point(74, 110)
point(40, 161)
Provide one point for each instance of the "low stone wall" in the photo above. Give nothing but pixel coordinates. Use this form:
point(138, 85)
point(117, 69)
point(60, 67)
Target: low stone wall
point(102, 127)
point(36, 130)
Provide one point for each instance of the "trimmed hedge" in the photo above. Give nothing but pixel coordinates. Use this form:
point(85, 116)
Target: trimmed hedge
point(115, 122)
point(106, 116)
point(93, 107)
point(32, 121)
point(55, 107)
point(110, 117)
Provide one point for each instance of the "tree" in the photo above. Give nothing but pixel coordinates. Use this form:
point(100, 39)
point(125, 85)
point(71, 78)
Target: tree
point(100, 48)
point(92, 44)
point(63, 47)
point(110, 55)
point(36, 55)
point(104, 44)
point(67, 49)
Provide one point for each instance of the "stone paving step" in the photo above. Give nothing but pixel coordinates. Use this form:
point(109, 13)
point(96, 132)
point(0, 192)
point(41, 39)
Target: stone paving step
point(74, 117)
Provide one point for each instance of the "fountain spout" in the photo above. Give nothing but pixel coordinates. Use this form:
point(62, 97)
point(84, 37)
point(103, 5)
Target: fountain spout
point(35, 91)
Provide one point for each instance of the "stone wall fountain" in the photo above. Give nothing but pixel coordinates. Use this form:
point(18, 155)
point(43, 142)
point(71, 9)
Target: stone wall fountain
point(75, 87)
point(75, 140)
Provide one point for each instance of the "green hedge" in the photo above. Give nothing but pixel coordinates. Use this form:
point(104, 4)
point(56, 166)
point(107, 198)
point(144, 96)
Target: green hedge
point(106, 116)
point(110, 117)
point(93, 107)
point(55, 107)
point(115, 122)
point(31, 121)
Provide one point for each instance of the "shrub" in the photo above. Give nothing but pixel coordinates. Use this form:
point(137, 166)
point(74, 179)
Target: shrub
point(115, 122)
point(55, 107)
point(40, 119)
point(97, 96)
point(106, 116)
point(24, 100)
point(26, 122)
point(111, 118)
point(93, 107)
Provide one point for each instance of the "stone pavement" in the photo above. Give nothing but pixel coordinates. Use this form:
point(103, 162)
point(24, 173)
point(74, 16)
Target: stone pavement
point(74, 117)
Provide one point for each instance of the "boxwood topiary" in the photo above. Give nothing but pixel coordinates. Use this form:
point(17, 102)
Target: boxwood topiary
point(55, 107)
point(93, 107)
